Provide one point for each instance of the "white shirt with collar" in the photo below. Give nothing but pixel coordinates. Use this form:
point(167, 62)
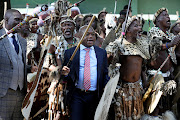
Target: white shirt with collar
point(93, 68)
point(11, 39)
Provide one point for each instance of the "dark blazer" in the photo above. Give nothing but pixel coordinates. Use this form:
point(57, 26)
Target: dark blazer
point(102, 68)
point(7, 64)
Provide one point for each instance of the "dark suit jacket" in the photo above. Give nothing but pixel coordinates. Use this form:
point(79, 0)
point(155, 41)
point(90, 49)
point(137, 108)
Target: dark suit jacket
point(102, 68)
point(7, 64)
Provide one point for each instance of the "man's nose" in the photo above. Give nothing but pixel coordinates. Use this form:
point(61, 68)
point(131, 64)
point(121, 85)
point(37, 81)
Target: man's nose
point(90, 35)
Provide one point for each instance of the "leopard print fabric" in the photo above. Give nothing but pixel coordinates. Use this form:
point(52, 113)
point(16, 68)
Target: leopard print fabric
point(156, 33)
point(141, 47)
point(31, 41)
point(63, 45)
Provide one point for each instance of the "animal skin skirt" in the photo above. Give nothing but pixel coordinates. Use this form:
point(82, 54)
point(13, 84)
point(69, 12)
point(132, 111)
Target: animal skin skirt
point(129, 105)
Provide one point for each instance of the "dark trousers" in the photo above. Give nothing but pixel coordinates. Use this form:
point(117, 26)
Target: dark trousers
point(83, 105)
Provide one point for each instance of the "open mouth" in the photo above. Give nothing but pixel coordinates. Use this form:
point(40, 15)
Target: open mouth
point(168, 22)
point(89, 41)
point(140, 32)
point(67, 32)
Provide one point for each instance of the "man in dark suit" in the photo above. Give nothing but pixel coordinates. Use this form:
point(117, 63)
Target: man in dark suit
point(87, 76)
point(12, 68)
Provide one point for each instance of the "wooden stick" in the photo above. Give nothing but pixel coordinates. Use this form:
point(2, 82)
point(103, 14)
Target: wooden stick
point(177, 13)
point(5, 7)
point(118, 28)
point(58, 90)
point(115, 5)
point(42, 42)
point(75, 4)
point(82, 38)
point(124, 26)
point(177, 75)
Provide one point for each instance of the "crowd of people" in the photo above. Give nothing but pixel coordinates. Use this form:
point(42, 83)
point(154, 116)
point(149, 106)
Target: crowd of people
point(148, 63)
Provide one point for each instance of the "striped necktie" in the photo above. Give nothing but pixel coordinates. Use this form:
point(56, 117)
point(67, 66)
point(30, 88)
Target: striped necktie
point(87, 72)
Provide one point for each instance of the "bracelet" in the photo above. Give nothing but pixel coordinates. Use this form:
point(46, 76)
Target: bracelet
point(167, 46)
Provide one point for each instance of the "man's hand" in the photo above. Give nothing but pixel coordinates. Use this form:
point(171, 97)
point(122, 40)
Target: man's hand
point(34, 69)
point(176, 41)
point(65, 70)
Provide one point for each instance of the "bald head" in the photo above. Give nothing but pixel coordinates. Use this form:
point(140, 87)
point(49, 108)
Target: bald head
point(12, 18)
point(90, 37)
point(9, 13)
point(83, 28)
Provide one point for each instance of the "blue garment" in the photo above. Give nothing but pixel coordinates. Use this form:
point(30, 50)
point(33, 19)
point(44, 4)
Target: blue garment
point(16, 46)
point(93, 68)
point(83, 104)
point(13, 39)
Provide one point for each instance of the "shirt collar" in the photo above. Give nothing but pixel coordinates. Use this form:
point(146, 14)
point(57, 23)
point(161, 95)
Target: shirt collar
point(10, 35)
point(82, 47)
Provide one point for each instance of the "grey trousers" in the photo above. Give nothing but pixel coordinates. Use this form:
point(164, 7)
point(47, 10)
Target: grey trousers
point(10, 105)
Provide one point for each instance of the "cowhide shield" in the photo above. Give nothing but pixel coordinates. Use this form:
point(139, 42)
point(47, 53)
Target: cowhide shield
point(41, 96)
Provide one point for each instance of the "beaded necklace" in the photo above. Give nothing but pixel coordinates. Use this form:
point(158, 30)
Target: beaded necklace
point(70, 45)
point(167, 33)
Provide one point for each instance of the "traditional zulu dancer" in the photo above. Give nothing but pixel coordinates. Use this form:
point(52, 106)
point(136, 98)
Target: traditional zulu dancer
point(175, 29)
point(160, 31)
point(67, 39)
point(101, 18)
point(128, 97)
point(50, 29)
point(102, 15)
point(33, 39)
point(62, 43)
point(25, 28)
point(120, 21)
point(33, 42)
point(134, 53)
point(78, 20)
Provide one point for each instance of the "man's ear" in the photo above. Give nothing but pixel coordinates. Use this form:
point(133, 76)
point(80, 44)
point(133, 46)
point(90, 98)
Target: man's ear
point(157, 21)
point(6, 20)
